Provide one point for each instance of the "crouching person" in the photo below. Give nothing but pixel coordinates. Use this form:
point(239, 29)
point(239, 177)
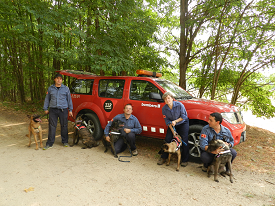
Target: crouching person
point(214, 128)
point(129, 131)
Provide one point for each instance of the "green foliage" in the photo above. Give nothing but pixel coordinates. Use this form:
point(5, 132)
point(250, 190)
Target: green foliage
point(39, 37)
point(220, 53)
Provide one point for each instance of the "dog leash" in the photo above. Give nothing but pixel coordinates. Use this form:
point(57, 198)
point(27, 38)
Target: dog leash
point(125, 156)
point(173, 129)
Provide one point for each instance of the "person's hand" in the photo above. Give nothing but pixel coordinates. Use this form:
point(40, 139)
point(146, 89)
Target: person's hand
point(108, 139)
point(174, 123)
point(71, 114)
point(217, 151)
point(46, 111)
point(228, 144)
point(127, 130)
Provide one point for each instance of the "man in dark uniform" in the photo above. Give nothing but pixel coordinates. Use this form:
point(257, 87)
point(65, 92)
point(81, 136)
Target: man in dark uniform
point(131, 128)
point(57, 103)
point(214, 127)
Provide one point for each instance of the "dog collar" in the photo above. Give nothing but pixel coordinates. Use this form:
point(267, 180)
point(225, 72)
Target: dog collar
point(37, 127)
point(117, 133)
point(224, 152)
point(177, 140)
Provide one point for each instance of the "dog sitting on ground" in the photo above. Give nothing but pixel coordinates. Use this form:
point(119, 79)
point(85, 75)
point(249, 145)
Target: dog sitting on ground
point(173, 148)
point(220, 160)
point(81, 132)
point(114, 134)
point(35, 129)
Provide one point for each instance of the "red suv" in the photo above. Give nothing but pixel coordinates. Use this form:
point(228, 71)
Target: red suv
point(100, 98)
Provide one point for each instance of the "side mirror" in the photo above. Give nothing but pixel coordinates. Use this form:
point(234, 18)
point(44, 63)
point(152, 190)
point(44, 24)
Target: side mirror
point(155, 96)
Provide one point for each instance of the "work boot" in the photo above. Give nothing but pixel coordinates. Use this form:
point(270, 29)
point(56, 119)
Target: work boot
point(135, 152)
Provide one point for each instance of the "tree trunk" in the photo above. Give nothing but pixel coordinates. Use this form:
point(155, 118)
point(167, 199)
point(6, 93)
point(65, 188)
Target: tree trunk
point(183, 43)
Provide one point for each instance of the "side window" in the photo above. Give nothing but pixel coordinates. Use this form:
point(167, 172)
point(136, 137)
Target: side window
point(111, 88)
point(140, 90)
point(82, 86)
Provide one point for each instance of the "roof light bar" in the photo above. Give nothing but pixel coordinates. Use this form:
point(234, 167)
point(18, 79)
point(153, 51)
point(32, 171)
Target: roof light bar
point(141, 72)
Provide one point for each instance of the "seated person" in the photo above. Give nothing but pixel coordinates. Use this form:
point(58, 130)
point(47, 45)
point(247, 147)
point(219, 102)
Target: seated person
point(131, 128)
point(214, 127)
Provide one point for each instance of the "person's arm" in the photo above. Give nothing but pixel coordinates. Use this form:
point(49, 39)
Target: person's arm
point(230, 140)
point(164, 112)
point(70, 103)
point(204, 139)
point(69, 99)
point(136, 128)
point(176, 121)
point(47, 102)
point(183, 112)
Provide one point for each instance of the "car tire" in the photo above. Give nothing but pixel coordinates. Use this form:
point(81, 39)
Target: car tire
point(93, 125)
point(194, 140)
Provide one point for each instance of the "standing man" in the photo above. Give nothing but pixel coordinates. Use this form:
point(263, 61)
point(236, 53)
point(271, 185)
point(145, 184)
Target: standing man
point(57, 103)
point(214, 127)
point(131, 128)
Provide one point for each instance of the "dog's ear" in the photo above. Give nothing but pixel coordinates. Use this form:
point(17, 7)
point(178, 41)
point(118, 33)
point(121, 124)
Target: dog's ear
point(29, 116)
point(214, 137)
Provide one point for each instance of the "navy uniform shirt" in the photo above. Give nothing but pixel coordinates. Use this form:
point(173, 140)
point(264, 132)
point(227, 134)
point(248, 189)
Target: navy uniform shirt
point(58, 98)
point(132, 123)
point(176, 112)
point(207, 134)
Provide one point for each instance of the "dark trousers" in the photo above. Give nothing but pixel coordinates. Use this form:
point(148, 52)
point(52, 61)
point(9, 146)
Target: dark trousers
point(182, 130)
point(207, 157)
point(54, 114)
point(120, 145)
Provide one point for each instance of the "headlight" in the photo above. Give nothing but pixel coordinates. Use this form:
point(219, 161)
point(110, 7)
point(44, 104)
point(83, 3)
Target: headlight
point(233, 117)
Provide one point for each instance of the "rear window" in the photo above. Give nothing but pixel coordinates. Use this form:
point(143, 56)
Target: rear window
point(82, 86)
point(111, 88)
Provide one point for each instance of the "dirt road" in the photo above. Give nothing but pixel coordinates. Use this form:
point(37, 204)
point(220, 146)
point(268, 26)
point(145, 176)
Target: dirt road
point(74, 176)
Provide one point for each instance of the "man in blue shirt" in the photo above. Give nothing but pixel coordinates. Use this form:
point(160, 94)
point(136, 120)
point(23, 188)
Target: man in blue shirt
point(214, 127)
point(131, 128)
point(57, 103)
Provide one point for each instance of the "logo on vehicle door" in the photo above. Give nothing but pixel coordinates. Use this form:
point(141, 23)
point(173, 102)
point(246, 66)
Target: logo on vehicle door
point(108, 105)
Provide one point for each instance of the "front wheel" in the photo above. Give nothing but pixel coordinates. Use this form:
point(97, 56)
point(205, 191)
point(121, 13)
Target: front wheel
point(93, 126)
point(194, 140)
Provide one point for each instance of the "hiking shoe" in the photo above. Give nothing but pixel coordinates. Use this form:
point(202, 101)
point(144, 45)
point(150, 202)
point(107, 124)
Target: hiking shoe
point(66, 145)
point(161, 161)
point(135, 152)
point(47, 147)
point(204, 169)
point(184, 164)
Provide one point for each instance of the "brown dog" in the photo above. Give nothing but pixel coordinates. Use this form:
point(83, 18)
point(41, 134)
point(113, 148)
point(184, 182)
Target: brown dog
point(220, 160)
point(173, 147)
point(81, 131)
point(35, 129)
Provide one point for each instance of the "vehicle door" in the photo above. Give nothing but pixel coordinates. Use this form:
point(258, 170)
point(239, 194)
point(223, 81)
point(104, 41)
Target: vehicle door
point(111, 93)
point(148, 111)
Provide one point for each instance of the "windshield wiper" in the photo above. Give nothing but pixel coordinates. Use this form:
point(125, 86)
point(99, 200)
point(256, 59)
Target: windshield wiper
point(185, 97)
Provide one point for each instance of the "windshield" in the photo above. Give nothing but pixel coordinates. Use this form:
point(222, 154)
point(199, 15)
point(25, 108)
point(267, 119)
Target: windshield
point(178, 92)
